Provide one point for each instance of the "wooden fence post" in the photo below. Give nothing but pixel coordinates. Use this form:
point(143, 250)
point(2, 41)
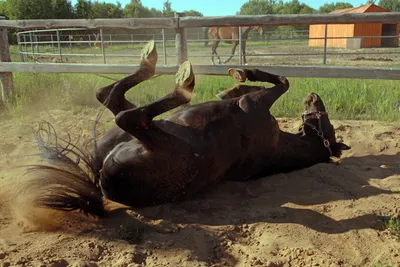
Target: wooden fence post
point(164, 46)
point(180, 42)
point(325, 42)
point(240, 46)
point(7, 85)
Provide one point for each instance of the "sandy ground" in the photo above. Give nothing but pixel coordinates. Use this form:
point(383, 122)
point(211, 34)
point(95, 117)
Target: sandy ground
point(326, 215)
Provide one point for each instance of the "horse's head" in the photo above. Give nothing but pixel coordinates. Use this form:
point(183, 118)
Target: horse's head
point(316, 124)
point(259, 29)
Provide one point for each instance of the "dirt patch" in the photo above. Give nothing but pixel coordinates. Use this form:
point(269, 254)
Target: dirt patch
point(326, 215)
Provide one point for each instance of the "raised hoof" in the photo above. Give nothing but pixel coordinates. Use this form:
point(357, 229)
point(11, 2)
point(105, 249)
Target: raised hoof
point(149, 53)
point(237, 74)
point(185, 76)
point(223, 95)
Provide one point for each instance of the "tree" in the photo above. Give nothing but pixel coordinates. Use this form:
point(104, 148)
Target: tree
point(258, 7)
point(193, 13)
point(305, 9)
point(329, 7)
point(292, 7)
point(30, 9)
point(135, 9)
point(3, 8)
point(167, 9)
point(115, 10)
point(62, 9)
point(106, 10)
point(83, 9)
point(392, 5)
point(155, 12)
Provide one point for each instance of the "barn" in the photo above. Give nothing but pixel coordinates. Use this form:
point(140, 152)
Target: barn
point(355, 30)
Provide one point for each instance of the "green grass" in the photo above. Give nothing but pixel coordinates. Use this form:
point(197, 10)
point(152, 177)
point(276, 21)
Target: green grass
point(393, 225)
point(344, 98)
point(381, 265)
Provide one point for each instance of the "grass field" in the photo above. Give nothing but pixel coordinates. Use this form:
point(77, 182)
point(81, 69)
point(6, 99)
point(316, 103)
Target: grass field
point(345, 99)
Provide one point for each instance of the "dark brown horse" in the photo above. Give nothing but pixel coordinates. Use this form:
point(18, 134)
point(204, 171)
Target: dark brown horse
point(145, 162)
point(230, 35)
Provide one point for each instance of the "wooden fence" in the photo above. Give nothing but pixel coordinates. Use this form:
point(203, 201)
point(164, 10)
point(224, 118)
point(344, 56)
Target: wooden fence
point(179, 23)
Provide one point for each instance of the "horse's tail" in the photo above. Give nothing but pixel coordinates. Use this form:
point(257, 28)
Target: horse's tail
point(67, 182)
point(205, 35)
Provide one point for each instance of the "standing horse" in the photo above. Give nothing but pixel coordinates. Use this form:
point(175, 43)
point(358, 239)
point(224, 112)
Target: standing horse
point(230, 35)
point(145, 162)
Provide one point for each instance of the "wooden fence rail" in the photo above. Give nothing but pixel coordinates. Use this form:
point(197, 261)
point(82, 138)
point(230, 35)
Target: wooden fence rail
point(186, 22)
point(179, 23)
point(288, 71)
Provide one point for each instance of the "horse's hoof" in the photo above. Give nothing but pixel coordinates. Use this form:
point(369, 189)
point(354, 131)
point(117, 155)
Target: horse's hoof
point(237, 74)
point(149, 53)
point(222, 95)
point(185, 76)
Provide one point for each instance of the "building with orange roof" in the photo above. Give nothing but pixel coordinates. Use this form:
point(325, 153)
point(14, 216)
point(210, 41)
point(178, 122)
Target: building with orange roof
point(356, 30)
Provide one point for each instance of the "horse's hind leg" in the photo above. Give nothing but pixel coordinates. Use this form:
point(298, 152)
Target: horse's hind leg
point(113, 95)
point(138, 121)
point(263, 96)
point(234, 45)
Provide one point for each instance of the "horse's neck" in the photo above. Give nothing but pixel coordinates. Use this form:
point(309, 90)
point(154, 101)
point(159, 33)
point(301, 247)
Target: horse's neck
point(296, 152)
point(247, 29)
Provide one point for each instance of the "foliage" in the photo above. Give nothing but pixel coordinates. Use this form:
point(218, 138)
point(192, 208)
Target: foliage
point(83, 9)
point(193, 13)
point(392, 5)
point(258, 7)
point(30, 9)
point(106, 10)
point(329, 7)
point(62, 9)
point(167, 9)
point(135, 9)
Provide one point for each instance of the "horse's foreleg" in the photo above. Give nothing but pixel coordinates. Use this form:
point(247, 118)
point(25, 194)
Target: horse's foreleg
point(244, 52)
point(214, 52)
point(113, 95)
point(234, 45)
point(138, 121)
point(268, 96)
point(240, 89)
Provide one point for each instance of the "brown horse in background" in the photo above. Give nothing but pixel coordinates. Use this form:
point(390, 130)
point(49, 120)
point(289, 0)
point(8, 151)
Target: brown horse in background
point(230, 35)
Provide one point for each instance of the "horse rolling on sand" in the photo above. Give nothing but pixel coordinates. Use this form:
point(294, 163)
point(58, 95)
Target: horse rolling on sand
point(144, 162)
point(230, 35)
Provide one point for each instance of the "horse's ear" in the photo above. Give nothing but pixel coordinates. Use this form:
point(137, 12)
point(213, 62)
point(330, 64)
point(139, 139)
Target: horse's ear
point(342, 146)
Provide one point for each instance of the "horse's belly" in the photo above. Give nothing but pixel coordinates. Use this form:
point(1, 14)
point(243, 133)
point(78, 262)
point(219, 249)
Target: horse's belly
point(140, 178)
point(255, 153)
